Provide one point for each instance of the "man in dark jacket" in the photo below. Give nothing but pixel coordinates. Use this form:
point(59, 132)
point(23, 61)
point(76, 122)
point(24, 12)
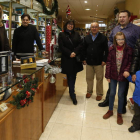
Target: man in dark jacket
point(135, 72)
point(131, 33)
point(23, 39)
point(96, 51)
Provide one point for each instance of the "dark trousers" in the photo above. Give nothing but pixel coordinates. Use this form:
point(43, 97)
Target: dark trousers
point(125, 94)
point(136, 117)
point(71, 83)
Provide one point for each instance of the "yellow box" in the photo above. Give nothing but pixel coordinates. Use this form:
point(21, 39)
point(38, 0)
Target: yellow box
point(28, 65)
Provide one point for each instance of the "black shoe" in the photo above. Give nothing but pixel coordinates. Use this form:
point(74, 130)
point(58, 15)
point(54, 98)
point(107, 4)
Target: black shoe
point(124, 110)
point(104, 103)
point(133, 129)
point(74, 101)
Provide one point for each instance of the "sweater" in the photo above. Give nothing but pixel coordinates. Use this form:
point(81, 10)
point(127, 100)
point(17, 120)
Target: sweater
point(95, 52)
point(23, 40)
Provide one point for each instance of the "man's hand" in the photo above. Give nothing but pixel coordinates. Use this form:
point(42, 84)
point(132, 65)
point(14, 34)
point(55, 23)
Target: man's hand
point(72, 55)
point(44, 52)
point(103, 63)
point(84, 62)
point(134, 77)
point(17, 59)
point(126, 74)
point(108, 80)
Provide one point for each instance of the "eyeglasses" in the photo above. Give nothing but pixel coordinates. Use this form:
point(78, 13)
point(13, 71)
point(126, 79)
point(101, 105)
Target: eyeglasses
point(120, 39)
point(70, 24)
point(94, 27)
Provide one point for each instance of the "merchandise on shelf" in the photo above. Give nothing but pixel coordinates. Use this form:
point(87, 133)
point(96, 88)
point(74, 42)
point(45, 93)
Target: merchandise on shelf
point(137, 22)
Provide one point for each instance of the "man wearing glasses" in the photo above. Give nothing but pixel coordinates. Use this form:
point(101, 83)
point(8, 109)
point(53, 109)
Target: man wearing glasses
point(131, 33)
point(95, 56)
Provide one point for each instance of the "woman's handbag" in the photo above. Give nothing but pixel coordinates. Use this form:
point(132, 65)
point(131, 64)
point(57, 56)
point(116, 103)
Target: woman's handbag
point(78, 59)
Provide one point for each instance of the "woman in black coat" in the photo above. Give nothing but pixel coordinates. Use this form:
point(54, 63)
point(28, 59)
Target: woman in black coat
point(70, 45)
point(4, 44)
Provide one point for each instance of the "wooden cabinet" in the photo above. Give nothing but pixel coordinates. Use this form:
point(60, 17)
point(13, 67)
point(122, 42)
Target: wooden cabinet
point(29, 122)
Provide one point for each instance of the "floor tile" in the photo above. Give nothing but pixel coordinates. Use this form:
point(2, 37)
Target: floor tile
point(70, 117)
point(65, 132)
point(47, 131)
point(96, 134)
point(54, 115)
point(92, 107)
point(121, 135)
point(96, 121)
point(124, 127)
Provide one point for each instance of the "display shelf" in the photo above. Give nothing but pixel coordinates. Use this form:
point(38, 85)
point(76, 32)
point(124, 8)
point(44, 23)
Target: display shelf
point(11, 28)
point(41, 25)
point(41, 30)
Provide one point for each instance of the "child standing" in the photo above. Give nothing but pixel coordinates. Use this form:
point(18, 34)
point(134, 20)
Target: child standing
point(136, 98)
point(119, 61)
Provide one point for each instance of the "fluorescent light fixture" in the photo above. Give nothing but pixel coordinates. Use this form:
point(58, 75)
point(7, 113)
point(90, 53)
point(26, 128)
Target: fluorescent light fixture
point(87, 9)
point(85, 1)
point(100, 21)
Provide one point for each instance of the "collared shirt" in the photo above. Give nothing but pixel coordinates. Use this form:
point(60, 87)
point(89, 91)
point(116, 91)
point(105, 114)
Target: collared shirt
point(131, 32)
point(94, 37)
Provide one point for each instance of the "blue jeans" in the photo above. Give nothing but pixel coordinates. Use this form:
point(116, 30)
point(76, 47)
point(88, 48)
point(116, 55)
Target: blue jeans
point(121, 90)
point(71, 83)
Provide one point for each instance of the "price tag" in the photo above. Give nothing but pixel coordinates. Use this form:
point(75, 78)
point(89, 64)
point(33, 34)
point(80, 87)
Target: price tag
point(3, 107)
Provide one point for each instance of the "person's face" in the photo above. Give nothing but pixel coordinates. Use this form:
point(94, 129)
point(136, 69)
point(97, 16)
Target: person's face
point(124, 19)
point(94, 28)
point(120, 40)
point(25, 21)
point(70, 26)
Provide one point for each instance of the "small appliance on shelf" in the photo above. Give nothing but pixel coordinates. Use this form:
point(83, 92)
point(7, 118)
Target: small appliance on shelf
point(28, 62)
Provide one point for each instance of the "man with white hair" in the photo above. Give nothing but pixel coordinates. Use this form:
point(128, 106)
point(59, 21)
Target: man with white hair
point(95, 56)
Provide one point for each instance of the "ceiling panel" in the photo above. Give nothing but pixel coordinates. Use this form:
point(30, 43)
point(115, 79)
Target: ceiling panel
point(78, 12)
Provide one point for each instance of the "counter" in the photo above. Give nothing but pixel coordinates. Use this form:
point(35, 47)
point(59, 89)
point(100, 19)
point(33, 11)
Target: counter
point(29, 122)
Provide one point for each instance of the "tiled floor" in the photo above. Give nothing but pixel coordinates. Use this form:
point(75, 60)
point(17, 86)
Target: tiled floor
point(84, 121)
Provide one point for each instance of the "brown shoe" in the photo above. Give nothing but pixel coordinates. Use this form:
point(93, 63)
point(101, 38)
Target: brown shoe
point(88, 95)
point(108, 114)
point(98, 98)
point(119, 119)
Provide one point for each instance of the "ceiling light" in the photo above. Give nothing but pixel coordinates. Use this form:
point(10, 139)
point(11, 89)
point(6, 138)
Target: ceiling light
point(97, 5)
point(36, 3)
point(100, 21)
point(96, 10)
point(87, 9)
point(85, 1)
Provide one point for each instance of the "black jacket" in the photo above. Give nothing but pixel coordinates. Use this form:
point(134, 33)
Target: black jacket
point(135, 66)
point(95, 51)
point(69, 43)
point(23, 40)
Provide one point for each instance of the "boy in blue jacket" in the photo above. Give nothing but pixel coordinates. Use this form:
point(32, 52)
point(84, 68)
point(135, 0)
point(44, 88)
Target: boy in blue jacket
point(136, 98)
